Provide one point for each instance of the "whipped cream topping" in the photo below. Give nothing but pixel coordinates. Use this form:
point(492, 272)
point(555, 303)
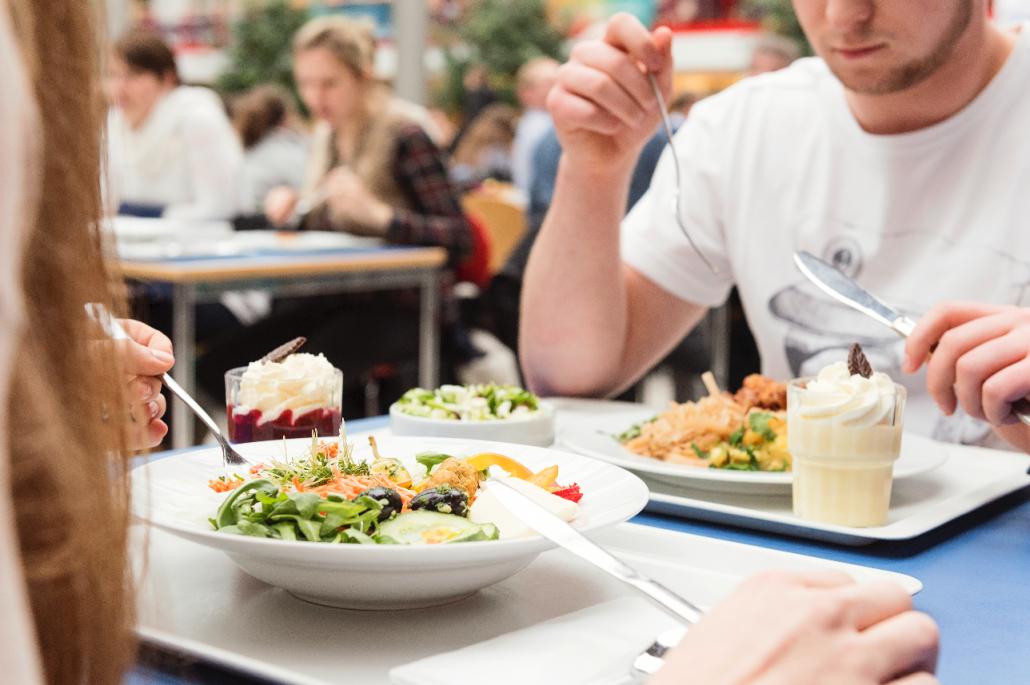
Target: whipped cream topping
point(301, 383)
point(852, 400)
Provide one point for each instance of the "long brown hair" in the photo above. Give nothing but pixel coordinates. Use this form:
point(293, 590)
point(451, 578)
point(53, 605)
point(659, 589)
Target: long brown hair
point(67, 430)
point(260, 111)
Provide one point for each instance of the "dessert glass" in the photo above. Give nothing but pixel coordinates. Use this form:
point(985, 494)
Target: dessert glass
point(285, 412)
point(842, 473)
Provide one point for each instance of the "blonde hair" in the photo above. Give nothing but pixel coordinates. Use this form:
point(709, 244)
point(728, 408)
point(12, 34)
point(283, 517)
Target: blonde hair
point(351, 41)
point(68, 473)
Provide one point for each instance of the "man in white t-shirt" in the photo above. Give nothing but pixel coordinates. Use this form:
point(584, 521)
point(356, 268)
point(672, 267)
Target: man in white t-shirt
point(900, 155)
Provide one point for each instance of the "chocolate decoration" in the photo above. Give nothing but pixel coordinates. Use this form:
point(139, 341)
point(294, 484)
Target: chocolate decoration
point(857, 362)
point(283, 351)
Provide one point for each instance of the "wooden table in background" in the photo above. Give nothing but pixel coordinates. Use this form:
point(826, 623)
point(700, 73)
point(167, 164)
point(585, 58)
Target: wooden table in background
point(204, 279)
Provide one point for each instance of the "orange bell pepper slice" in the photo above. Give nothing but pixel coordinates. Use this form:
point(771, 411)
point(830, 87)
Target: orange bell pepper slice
point(545, 478)
point(485, 460)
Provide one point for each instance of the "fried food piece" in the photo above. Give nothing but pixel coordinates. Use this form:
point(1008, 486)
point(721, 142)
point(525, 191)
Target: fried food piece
point(457, 473)
point(764, 393)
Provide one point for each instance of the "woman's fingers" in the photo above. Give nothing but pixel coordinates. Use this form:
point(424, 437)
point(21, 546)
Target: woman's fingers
point(143, 388)
point(902, 644)
point(869, 603)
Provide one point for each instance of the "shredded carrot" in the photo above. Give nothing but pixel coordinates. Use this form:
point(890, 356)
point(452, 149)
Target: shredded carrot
point(297, 484)
point(222, 485)
point(351, 486)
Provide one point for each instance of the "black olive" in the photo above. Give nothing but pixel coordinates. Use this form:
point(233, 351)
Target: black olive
point(444, 499)
point(388, 497)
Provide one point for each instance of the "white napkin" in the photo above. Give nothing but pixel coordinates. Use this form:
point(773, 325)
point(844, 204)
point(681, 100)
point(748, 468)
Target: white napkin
point(593, 646)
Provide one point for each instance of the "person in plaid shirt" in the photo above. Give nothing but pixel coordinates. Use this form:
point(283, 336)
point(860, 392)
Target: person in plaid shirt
point(374, 170)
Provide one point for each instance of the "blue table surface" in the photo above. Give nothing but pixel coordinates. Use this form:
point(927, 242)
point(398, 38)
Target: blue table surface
point(975, 571)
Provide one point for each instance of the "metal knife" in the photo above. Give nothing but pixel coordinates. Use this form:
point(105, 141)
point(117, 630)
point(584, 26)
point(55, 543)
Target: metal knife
point(844, 290)
point(556, 530)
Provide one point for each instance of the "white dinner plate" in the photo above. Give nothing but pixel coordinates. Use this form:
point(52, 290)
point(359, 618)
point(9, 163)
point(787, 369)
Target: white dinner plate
point(595, 437)
point(173, 494)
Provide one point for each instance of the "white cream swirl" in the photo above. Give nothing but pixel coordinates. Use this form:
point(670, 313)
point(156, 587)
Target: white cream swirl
point(851, 400)
point(301, 383)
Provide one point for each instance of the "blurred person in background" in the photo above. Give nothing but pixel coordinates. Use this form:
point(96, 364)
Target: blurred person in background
point(373, 170)
point(772, 52)
point(171, 149)
point(485, 151)
point(679, 108)
point(275, 149)
point(477, 95)
point(533, 81)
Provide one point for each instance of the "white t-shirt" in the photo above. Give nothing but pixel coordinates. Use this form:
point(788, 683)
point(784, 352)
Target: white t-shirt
point(778, 163)
point(185, 157)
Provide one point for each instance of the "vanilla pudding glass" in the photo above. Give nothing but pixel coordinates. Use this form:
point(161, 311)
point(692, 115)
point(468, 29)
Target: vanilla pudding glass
point(287, 399)
point(844, 436)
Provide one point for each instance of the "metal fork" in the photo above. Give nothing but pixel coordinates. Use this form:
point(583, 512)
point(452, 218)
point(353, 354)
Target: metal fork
point(652, 659)
point(667, 126)
point(229, 455)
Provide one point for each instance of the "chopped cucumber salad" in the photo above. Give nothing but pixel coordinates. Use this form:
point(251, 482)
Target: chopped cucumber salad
point(489, 402)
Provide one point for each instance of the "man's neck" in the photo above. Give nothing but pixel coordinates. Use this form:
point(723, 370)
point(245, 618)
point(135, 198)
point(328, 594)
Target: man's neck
point(978, 56)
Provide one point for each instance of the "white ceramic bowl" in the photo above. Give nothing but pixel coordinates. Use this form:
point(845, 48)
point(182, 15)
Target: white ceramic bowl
point(532, 429)
point(172, 494)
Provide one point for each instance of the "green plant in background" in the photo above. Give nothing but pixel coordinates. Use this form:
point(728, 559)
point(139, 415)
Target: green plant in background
point(778, 16)
point(260, 48)
point(502, 35)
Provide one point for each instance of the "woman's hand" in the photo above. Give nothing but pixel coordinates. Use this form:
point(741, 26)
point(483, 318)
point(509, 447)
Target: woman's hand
point(602, 102)
point(144, 359)
point(980, 359)
point(350, 200)
point(279, 204)
point(807, 629)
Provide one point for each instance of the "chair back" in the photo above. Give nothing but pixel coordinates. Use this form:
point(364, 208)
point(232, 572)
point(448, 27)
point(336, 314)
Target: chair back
point(504, 221)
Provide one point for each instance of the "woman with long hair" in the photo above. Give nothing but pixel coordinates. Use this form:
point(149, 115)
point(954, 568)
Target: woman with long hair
point(373, 168)
point(69, 409)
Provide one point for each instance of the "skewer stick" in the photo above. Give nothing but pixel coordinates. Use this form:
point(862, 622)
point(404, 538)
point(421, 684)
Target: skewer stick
point(708, 378)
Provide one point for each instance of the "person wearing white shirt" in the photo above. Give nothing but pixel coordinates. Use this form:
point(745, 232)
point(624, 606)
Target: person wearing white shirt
point(899, 155)
point(171, 150)
point(534, 81)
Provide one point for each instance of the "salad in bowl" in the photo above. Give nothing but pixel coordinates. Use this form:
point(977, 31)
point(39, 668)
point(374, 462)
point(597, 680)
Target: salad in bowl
point(487, 411)
point(391, 523)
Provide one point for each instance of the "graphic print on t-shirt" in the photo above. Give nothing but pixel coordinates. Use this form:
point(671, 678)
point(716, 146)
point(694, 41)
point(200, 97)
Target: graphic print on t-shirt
point(820, 330)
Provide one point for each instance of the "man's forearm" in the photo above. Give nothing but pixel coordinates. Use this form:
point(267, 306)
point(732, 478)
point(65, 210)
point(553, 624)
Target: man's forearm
point(573, 325)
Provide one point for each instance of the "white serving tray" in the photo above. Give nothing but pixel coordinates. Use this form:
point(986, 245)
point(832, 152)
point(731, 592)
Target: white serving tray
point(194, 600)
point(970, 478)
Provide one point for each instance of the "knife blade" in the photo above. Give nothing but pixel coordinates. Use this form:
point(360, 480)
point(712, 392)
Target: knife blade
point(564, 535)
point(841, 288)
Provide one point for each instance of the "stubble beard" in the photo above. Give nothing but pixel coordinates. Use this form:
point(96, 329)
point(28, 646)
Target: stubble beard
point(912, 73)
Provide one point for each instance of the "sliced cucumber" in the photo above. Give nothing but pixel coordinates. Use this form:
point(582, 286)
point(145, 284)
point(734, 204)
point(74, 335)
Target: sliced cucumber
point(431, 527)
